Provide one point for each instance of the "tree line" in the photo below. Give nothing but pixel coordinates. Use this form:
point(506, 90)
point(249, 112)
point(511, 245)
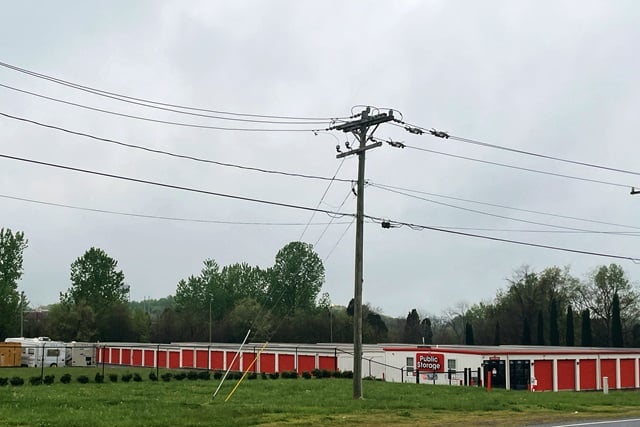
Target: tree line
point(283, 303)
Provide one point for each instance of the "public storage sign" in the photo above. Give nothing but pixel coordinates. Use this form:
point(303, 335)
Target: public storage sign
point(433, 362)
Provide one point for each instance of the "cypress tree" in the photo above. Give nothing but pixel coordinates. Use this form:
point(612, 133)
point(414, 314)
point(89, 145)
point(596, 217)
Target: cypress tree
point(570, 338)
point(616, 323)
point(526, 332)
point(554, 335)
point(540, 340)
point(636, 335)
point(587, 338)
point(496, 334)
point(468, 334)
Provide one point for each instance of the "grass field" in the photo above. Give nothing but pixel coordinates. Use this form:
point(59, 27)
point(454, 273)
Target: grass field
point(289, 402)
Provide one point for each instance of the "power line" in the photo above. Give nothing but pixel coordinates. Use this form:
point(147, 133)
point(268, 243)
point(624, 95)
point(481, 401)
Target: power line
point(597, 181)
point(446, 135)
point(148, 119)
point(327, 226)
point(326, 190)
point(263, 223)
point(384, 186)
point(172, 154)
point(125, 98)
point(499, 239)
point(306, 208)
point(344, 233)
point(496, 215)
point(167, 218)
point(176, 187)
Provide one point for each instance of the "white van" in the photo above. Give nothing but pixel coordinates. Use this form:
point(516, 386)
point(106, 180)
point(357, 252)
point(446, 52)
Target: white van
point(41, 351)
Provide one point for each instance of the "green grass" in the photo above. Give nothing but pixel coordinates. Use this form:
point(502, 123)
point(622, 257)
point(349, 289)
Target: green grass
point(290, 402)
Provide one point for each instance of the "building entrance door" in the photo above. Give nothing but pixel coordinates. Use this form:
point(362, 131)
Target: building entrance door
point(496, 369)
point(519, 374)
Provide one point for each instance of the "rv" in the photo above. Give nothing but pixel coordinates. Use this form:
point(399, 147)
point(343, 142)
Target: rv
point(80, 354)
point(40, 351)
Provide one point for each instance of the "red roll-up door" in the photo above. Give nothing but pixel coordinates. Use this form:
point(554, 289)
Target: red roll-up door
point(187, 358)
point(236, 364)
point(174, 359)
point(115, 356)
point(217, 360)
point(566, 374)
point(286, 362)
point(136, 358)
point(149, 358)
point(126, 356)
point(306, 363)
point(608, 369)
point(627, 373)
point(588, 374)
point(248, 360)
point(162, 359)
point(328, 363)
point(544, 374)
point(268, 362)
point(202, 361)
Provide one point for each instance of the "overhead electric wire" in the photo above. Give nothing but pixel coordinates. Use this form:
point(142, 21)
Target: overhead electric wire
point(622, 233)
point(597, 181)
point(167, 218)
point(327, 226)
point(124, 98)
point(525, 152)
point(333, 248)
point(373, 184)
point(172, 154)
point(414, 226)
point(306, 208)
point(149, 119)
point(324, 194)
point(175, 187)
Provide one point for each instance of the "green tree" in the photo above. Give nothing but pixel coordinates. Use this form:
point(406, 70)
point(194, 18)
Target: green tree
point(540, 340)
point(526, 332)
point(96, 281)
point(496, 334)
point(468, 334)
point(598, 294)
point(12, 247)
point(616, 324)
point(379, 330)
point(295, 279)
point(586, 336)
point(412, 330)
point(570, 338)
point(197, 295)
point(635, 336)
point(554, 334)
point(427, 330)
point(72, 322)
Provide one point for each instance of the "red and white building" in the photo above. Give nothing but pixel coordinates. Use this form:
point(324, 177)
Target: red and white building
point(513, 367)
point(510, 367)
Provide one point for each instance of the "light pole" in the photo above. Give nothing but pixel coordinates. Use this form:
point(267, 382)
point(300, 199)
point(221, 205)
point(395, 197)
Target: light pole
point(22, 314)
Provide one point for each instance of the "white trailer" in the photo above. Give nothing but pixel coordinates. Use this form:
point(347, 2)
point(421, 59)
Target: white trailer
point(41, 351)
point(80, 354)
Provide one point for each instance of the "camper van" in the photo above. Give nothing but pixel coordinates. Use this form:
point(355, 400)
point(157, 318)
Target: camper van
point(81, 354)
point(40, 351)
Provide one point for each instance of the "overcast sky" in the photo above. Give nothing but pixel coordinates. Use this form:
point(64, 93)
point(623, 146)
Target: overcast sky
point(558, 78)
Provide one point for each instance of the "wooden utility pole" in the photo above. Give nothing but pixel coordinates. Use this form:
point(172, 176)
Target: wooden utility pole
point(359, 128)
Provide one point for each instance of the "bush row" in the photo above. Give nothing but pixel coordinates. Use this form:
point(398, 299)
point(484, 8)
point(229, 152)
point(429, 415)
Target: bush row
point(178, 376)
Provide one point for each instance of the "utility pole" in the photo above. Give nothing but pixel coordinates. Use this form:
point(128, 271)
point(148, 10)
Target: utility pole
point(360, 128)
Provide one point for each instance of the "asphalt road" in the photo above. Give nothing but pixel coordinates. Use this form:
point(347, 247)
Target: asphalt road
point(629, 422)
